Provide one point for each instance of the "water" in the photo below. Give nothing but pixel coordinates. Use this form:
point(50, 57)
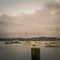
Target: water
point(22, 52)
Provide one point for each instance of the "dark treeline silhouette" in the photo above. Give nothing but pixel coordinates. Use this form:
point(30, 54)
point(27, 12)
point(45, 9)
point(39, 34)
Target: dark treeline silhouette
point(32, 39)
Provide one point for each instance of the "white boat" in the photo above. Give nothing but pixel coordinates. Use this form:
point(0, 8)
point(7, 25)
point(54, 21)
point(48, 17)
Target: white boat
point(16, 41)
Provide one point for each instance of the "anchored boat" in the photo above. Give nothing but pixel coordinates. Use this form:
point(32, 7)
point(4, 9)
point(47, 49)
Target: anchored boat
point(8, 42)
point(53, 44)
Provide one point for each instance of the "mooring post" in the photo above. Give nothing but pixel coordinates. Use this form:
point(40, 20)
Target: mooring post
point(35, 53)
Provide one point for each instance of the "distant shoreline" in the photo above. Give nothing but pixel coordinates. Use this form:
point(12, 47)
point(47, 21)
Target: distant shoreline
point(32, 39)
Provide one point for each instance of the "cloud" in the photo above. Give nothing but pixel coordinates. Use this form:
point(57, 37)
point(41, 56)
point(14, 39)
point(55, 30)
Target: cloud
point(41, 23)
point(54, 7)
point(58, 1)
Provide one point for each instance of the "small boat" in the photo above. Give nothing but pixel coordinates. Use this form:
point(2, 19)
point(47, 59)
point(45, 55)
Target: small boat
point(16, 41)
point(8, 42)
point(33, 44)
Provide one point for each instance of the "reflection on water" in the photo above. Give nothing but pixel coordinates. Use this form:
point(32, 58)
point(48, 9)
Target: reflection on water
point(23, 51)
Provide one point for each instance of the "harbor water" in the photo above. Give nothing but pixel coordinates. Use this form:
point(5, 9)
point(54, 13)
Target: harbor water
point(23, 52)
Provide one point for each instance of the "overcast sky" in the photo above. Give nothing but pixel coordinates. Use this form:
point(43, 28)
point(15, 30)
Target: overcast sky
point(37, 17)
point(13, 7)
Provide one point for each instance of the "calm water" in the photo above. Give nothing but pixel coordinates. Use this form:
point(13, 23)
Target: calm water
point(22, 52)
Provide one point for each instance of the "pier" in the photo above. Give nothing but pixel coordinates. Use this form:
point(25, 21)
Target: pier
point(35, 53)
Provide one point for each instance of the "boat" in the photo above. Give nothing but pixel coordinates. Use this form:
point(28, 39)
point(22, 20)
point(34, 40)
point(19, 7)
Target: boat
point(33, 44)
point(16, 41)
point(8, 42)
point(52, 44)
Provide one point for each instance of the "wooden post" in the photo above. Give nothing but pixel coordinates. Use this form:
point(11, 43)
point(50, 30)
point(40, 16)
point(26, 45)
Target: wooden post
point(35, 53)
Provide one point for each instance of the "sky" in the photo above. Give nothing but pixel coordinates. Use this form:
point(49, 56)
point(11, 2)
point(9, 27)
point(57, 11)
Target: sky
point(14, 7)
point(36, 17)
